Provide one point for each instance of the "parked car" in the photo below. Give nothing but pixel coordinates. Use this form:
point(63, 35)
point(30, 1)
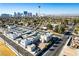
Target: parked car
point(37, 50)
point(58, 42)
point(55, 45)
point(52, 48)
point(68, 33)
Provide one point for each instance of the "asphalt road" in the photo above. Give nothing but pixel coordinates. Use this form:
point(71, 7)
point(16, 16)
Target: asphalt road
point(56, 51)
point(59, 47)
point(19, 49)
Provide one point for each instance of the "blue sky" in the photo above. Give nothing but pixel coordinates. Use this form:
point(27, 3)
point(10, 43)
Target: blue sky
point(46, 8)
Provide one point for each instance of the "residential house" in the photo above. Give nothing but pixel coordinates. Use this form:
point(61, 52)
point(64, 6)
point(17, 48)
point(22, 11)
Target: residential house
point(25, 42)
point(31, 47)
point(54, 26)
point(45, 37)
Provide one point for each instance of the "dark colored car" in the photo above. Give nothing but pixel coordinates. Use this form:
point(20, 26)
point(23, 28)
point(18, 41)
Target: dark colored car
point(67, 33)
point(60, 40)
point(55, 45)
point(57, 42)
point(37, 50)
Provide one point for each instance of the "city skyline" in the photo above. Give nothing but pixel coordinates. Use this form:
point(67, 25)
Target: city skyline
point(46, 8)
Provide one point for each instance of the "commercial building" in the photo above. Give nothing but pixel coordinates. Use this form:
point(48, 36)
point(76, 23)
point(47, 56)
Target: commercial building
point(25, 13)
point(18, 14)
point(29, 14)
point(6, 15)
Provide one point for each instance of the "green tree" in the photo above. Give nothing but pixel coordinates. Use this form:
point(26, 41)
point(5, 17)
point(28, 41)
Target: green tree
point(65, 21)
point(77, 20)
point(49, 26)
point(61, 29)
point(16, 22)
point(56, 28)
point(74, 21)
